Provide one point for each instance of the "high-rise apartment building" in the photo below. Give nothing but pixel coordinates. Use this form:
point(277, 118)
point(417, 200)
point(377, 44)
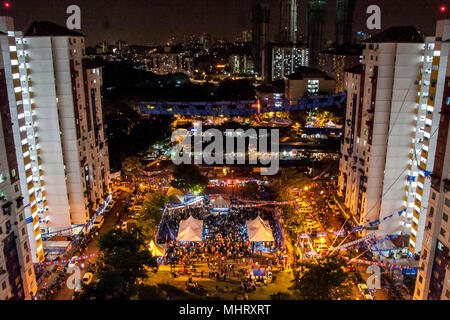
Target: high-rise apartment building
point(56, 111)
point(315, 18)
point(240, 64)
point(388, 142)
point(169, 62)
point(17, 277)
point(344, 21)
point(281, 59)
point(260, 33)
point(335, 61)
point(433, 278)
point(288, 31)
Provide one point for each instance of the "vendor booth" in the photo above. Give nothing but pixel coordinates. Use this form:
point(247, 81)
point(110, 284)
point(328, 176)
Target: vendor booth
point(259, 230)
point(190, 230)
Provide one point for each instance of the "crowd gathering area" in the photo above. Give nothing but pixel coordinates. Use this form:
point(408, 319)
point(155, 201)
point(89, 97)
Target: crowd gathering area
point(222, 253)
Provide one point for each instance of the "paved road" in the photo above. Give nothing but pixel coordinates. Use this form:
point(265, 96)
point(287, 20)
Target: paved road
point(111, 221)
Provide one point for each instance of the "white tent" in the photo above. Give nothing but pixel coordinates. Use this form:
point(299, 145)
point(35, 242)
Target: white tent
point(190, 230)
point(156, 250)
point(385, 246)
point(220, 202)
point(259, 230)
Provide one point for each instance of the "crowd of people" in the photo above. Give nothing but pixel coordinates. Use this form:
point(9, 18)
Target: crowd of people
point(225, 252)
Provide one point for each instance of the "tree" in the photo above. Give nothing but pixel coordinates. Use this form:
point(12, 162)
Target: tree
point(188, 177)
point(250, 190)
point(294, 222)
point(151, 214)
point(124, 260)
point(323, 279)
point(299, 116)
point(132, 166)
point(296, 129)
point(281, 188)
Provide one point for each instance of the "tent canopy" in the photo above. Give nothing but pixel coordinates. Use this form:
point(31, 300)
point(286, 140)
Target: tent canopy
point(156, 250)
point(190, 229)
point(220, 202)
point(259, 230)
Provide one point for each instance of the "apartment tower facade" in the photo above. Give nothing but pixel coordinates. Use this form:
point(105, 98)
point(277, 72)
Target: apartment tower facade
point(388, 147)
point(59, 133)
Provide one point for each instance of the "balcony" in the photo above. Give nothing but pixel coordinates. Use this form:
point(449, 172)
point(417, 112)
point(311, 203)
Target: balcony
point(7, 208)
point(19, 202)
point(446, 185)
point(435, 181)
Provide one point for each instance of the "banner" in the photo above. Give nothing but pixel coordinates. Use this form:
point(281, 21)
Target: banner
point(377, 222)
point(64, 261)
point(350, 244)
point(253, 205)
point(380, 264)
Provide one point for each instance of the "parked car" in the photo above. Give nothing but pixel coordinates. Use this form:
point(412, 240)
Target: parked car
point(99, 221)
point(87, 278)
point(365, 292)
point(129, 225)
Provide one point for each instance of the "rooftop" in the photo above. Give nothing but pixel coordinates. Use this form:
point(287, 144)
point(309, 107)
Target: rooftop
point(306, 72)
point(92, 64)
point(46, 28)
point(407, 34)
point(349, 50)
point(358, 69)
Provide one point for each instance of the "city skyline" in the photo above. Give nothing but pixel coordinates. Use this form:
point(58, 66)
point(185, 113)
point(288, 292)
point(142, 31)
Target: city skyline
point(155, 23)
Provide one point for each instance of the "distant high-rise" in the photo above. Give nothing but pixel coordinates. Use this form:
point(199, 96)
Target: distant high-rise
point(315, 20)
point(260, 33)
point(344, 21)
point(282, 59)
point(288, 21)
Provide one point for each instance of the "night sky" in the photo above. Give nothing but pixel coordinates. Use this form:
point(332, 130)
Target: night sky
point(150, 22)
